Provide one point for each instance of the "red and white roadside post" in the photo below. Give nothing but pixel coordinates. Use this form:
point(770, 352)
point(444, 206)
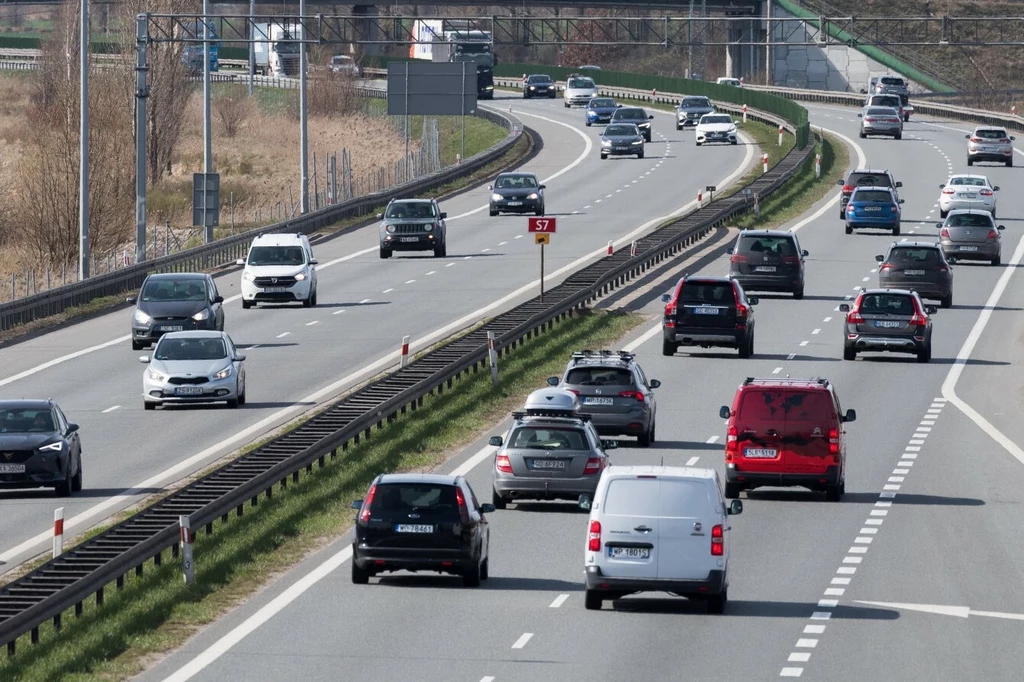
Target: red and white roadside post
point(405, 350)
point(654, 94)
point(780, 135)
point(1013, 110)
point(764, 162)
point(632, 249)
point(492, 358)
point(744, 113)
point(185, 538)
point(458, 159)
point(817, 166)
point(58, 532)
point(611, 248)
point(700, 199)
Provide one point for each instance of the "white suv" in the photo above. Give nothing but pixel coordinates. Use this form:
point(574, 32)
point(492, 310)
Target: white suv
point(578, 90)
point(658, 529)
point(280, 268)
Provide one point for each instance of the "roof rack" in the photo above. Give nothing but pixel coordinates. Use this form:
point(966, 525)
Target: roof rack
point(819, 380)
point(602, 354)
point(563, 414)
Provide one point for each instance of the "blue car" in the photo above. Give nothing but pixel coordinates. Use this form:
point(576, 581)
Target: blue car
point(600, 110)
point(873, 207)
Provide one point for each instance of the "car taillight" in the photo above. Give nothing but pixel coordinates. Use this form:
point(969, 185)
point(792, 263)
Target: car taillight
point(1004, 140)
point(742, 310)
point(870, 120)
point(949, 190)
point(632, 394)
point(985, 192)
point(463, 509)
point(594, 541)
point(918, 320)
point(364, 513)
point(992, 234)
point(594, 465)
point(941, 268)
point(944, 233)
point(502, 464)
point(854, 316)
point(731, 444)
point(975, 139)
point(736, 258)
point(672, 306)
point(833, 441)
point(847, 189)
point(791, 260)
point(886, 266)
point(573, 391)
point(717, 541)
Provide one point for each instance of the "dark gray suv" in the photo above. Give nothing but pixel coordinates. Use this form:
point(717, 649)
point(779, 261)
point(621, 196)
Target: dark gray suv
point(917, 266)
point(614, 390)
point(768, 260)
point(413, 225)
point(888, 320)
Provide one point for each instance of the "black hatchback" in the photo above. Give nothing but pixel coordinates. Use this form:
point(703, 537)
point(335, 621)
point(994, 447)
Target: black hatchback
point(39, 448)
point(175, 302)
point(768, 260)
point(421, 522)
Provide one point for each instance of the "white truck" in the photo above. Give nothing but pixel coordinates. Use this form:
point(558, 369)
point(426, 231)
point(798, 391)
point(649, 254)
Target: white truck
point(277, 49)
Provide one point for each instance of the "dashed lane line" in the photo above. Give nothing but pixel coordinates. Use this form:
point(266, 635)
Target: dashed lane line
point(559, 600)
point(521, 642)
point(111, 409)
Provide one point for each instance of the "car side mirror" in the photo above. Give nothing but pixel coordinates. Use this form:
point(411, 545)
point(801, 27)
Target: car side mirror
point(609, 444)
point(490, 187)
point(543, 187)
point(651, 117)
point(314, 261)
point(239, 358)
point(735, 507)
point(844, 307)
point(1012, 137)
point(144, 359)
point(585, 502)
point(665, 298)
point(967, 137)
point(72, 428)
point(942, 185)
point(863, 91)
point(1001, 227)
point(899, 184)
point(996, 188)
point(729, 250)
point(879, 258)
point(860, 115)
point(618, 106)
point(938, 224)
point(839, 182)
point(552, 381)
point(443, 215)
point(804, 253)
point(850, 416)
point(654, 383)
point(381, 215)
point(753, 300)
point(131, 299)
point(495, 441)
point(930, 310)
point(357, 504)
point(903, 201)
point(240, 261)
point(218, 299)
point(724, 412)
point(486, 508)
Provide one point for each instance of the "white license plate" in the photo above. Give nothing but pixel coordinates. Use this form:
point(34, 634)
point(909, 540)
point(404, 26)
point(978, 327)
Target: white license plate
point(987, 149)
point(413, 528)
point(705, 311)
point(12, 468)
point(760, 453)
point(188, 390)
point(888, 324)
point(176, 328)
point(765, 268)
point(598, 401)
point(515, 203)
point(968, 248)
point(872, 209)
point(913, 272)
point(549, 464)
point(409, 239)
point(629, 552)
point(275, 290)
point(968, 195)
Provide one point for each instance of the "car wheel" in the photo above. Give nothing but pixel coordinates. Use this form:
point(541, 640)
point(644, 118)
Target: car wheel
point(233, 403)
point(732, 490)
point(471, 578)
point(898, 136)
point(668, 348)
point(943, 214)
point(604, 157)
point(698, 144)
point(993, 212)
point(834, 493)
point(849, 230)
point(644, 440)
point(566, 105)
point(497, 500)
point(588, 124)
point(970, 161)
point(385, 253)
point(592, 600)
point(76, 480)
point(849, 353)
point(493, 213)
point(1009, 163)
point(307, 302)
point(747, 349)
point(717, 602)
point(246, 304)
point(146, 405)
point(842, 214)
point(997, 260)
point(65, 487)
point(679, 127)
point(896, 230)
point(733, 142)
point(312, 299)
point(485, 569)
point(359, 576)
point(640, 155)
point(648, 138)
point(241, 396)
point(137, 346)
point(540, 211)
point(863, 135)
point(925, 354)
point(438, 250)
point(799, 293)
point(947, 301)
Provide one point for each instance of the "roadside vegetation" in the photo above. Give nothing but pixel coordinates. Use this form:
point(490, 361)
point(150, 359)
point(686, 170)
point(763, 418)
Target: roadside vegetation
point(156, 613)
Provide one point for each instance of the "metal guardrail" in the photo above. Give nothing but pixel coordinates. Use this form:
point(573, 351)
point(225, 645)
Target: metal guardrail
point(227, 250)
point(86, 570)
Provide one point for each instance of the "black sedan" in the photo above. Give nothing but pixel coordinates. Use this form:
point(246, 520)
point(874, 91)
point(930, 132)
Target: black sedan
point(539, 85)
point(39, 448)
point(421, 522)
point(175, 302)
point(622, 139)
point(516, 193)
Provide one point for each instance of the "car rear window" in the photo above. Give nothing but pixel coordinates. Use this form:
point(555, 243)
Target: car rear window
point(967, 181)
point(683, 498)
point(424, 498)
point(542, 438)
point(886, 100)
point(632, 497)
point(886, 304)
point(990, 134)
point(781, 246)
point(716, 293)
point(892, 81)
point(599, 376)
point(905, 255)
point(969, 220)
point(872, 195)
point(771, 404)
point(868, 179)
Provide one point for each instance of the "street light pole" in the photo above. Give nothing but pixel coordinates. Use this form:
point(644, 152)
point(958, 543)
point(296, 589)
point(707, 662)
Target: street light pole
point(83, 150)
point(303, 113)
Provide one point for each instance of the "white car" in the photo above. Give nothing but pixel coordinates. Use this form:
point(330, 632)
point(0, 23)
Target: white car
point(280, 268)
point(578, 90)
point(735, 82)
point(658, 529)
point(967, 191)
point(716, 128)
point(194, 367)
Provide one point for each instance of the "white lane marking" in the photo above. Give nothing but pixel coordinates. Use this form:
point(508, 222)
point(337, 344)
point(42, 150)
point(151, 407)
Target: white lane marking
point(791, 672)
point(711, 440)
point(519, 236)
point(111, 409)
point(365, 300)
point(853, 559)
point(283, 334)
point(597, 201)
point(310, 324)
point(827, 319)
point(642, 339)
point(450, 265)
point(489, 678)
point(847, 570)
point(803, 343)
point(521, 642)
point(816, 331)
point(466, 257)
point(411, 281)
point(865, 279)
point(776, 370)
point(485, 250)
point(63, 358)
point(814, 629)
point(798, 657)
point(791, 356)
point(586, 207)
point(338, 312)
point(559, 600)
point(862, 162)
point(693, 460)
point(434, 272)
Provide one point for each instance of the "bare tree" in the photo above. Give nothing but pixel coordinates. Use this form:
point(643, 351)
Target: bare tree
point(233, 107)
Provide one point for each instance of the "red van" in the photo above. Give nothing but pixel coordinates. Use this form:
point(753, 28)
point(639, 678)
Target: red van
point(786, 432)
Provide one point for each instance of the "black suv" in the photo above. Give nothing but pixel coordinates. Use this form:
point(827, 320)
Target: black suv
point(918, 266)
point(421, 522)
point(708, 312)
point(413, 225)
point(768, 260)
point(864, 177)
point(888, 320)
point(40, 447)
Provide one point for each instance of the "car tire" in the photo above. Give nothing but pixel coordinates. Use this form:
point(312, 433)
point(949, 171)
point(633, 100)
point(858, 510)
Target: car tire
point(997, 260)
point(640, 155)
point(540, 211)
point(834, 493)
point(896, 230)
point(668, 348)
point(863, 135)
point(65, 487)
point(970, 161)
point(592, 600)
point(232, 404)
point(241, 396)
point(493, 213)
point(566, 104)
point(485, 569)
point(698, 144)
point(649, 137)
point(497, 500)
point(898, 136)
point(943, 214)
point(842, 214)
point(925, 354)
point(438, 250)
point(471, 578)
point(947, 301)
point(76, 480)
point(993, 212)
point(307, 302)
point(747, 349)
point(679, 127)
point(849, 230)
point(604, 157)
point(312, 299)
point(849, 353)
point(385, 253)
point(644, 440)
point(146, 405)
point(137, 346)
point(589, 124)
point(360, 576)
point(1009, 163)
point(716, 602)
point(799, 293)
point(246, 304)
point(734, 142)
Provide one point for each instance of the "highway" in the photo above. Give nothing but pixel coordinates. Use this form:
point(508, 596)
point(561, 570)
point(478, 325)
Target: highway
point(931, 516)
point(299, 357)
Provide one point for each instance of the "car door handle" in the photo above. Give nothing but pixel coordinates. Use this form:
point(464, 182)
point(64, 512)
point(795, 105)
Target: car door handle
point(643, 529)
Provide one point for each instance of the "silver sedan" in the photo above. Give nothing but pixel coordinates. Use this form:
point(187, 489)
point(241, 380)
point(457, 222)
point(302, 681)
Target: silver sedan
point(967, 191)
point(881, 121)
point(971, 235)
point(194, 367)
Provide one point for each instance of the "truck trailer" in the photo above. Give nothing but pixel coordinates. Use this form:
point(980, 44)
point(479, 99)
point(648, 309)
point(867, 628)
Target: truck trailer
point(277, 48)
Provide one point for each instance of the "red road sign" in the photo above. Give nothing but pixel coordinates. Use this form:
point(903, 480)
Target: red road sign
point(542, 225)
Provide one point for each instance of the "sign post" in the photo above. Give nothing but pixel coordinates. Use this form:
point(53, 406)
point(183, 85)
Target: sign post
point(185, 538)
point(542, 229)
point(711, 189)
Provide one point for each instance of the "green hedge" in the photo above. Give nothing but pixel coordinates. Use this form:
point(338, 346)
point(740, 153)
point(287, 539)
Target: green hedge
point(756, 99)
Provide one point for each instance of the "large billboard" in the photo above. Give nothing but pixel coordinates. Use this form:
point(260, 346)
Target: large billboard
point(424, 30)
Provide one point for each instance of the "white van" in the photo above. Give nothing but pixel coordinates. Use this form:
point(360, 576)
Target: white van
point(658, 529)
point(280, 268)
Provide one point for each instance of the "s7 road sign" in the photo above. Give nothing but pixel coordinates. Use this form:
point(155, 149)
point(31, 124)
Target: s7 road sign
point(542, 225)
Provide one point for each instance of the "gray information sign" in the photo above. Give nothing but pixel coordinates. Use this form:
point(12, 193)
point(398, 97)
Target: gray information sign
point(205, 199)
point(422, 88)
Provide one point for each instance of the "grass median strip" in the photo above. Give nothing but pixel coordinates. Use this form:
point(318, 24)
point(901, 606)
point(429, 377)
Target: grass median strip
point(157, 612)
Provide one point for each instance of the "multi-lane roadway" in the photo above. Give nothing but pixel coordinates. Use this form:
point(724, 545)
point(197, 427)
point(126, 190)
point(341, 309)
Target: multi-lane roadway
point(299, 357)
point(819, 590)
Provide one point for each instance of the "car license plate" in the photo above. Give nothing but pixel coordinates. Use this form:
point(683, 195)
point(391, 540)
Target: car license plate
point(12, 468)
point(629, 552)
point(413, 528)
point(968, 248)
point(913, 272)
point(765, 268)
point(705, 311)
point(969, 195)
point(175, 328)
point(872, 209)
point(548, 464)
point(188, 390)
point(274, 290)
point(760, 453)
point(515, 203)
point(987, 148)
point(598, 401)
point(888, 324)
point(409, 239)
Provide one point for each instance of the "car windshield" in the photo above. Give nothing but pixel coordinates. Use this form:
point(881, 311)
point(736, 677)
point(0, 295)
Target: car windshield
point(997, 134)
point(629, 129)
point(170, 348)
point(601, 102)
point(631, 115)
point(867, 179)
point(965, 180)
point(174, 290)
point(969, 220)
point(420, 210)
point(878, 195)
point(779, 246)
point(886, 304)
point(715, 293)
point(907, 256)
point(719, 118)
point(769, 404)
point(599, 376)
point(547, 438)
point(516, 182)
point(276, 255)
point(401, 499)
point(580, 83)
point(539, 80)
point(695, 102)
point(26, 421)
